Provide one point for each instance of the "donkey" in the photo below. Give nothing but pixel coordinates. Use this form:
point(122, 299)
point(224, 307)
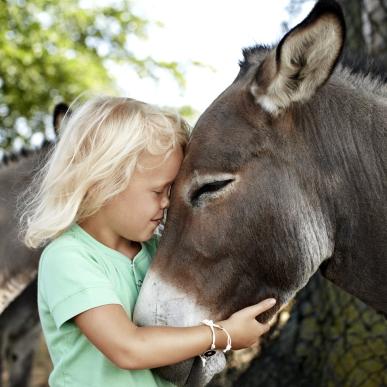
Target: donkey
point(18, 264)
point(19, 320)
point(285, 174)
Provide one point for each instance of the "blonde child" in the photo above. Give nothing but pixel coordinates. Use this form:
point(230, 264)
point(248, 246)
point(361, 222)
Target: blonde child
point(101, 196)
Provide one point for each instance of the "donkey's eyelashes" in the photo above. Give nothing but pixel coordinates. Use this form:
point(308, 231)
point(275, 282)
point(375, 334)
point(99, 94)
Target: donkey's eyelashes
point(208, 189)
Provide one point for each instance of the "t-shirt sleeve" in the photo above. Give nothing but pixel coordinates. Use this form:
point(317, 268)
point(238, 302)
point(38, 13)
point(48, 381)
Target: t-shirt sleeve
point(71, 282)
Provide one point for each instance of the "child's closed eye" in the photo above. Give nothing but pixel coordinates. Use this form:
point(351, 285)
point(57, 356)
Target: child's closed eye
point(160, 191)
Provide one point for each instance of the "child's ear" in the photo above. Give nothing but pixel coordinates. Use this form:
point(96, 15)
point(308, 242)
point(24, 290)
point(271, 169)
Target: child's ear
point(303, 60)
point(60, 111)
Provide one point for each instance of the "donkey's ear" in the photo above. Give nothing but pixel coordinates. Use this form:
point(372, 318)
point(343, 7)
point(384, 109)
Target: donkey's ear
point(303, 60)
point(61, 110)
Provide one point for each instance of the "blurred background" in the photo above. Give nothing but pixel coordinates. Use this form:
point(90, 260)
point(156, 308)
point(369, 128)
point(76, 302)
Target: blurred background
point(174, 53)
point(180, 54)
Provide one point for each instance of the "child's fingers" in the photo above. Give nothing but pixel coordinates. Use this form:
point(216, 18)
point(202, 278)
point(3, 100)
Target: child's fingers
point(255, 310)
point(265, 328)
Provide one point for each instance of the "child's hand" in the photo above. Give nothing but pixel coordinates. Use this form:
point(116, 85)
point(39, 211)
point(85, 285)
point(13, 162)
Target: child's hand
point(242, 326)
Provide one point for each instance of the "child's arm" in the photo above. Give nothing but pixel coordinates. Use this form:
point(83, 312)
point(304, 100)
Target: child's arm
point(130, 347)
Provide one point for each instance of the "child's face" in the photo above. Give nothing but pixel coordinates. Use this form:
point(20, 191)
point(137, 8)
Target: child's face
point(135, 213)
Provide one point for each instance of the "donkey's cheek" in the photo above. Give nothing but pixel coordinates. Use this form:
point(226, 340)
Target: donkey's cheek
point(160, 303)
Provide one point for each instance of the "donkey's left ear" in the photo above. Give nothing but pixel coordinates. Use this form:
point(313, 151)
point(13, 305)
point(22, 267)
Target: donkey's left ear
point(61, 111)
point(303, 60)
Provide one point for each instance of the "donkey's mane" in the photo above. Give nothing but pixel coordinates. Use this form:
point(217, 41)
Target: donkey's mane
point(361, 71)
point(364, 72)
point(253, 54)
point(366, 65)
point(11, 157)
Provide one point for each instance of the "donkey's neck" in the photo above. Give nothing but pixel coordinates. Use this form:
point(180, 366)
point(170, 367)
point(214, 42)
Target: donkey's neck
point(352, 144)
point(359, 264)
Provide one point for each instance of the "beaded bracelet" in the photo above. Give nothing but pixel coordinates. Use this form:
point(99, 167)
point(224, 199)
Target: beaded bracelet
point(211, 352)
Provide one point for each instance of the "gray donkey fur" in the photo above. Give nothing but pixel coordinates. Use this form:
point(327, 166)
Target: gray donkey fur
point(285, 175)
point(19, 320)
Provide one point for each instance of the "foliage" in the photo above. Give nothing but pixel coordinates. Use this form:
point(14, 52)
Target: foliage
point(190, 114)
point(54, 50)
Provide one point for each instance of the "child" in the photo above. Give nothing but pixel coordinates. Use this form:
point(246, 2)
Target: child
point(102, 194)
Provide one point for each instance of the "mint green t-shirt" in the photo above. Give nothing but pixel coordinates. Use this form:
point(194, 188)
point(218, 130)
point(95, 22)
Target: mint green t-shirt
point(77, 273)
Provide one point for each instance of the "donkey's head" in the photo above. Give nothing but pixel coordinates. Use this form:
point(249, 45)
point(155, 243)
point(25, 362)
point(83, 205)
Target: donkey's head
point(251, 215)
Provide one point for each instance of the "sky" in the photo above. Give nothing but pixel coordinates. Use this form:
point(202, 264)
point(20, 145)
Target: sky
point(212, 32)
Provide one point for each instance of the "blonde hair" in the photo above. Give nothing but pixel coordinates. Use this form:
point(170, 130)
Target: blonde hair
point(93, 160)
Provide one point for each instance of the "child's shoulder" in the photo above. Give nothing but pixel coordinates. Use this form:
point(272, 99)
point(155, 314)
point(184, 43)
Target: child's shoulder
point(63, 245)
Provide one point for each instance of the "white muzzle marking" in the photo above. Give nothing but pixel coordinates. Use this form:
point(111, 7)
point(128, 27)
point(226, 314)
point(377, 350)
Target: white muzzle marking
point(162, 304)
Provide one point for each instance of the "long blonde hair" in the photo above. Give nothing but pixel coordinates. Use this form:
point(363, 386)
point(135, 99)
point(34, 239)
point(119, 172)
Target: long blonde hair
point(93, 160)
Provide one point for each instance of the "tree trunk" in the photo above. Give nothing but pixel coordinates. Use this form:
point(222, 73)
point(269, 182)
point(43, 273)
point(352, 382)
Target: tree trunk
point(375, 26)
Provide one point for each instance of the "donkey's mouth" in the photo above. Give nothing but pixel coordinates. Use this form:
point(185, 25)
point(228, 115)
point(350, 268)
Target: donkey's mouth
point(191, 373)
point(161, 304)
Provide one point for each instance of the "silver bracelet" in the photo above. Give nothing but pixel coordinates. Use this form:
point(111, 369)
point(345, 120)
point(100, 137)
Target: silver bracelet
point(211, 352)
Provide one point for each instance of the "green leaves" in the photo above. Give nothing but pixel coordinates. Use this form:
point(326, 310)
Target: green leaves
point(52, 51)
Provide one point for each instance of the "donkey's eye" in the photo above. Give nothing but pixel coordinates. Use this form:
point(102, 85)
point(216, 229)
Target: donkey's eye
point(208, 189)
